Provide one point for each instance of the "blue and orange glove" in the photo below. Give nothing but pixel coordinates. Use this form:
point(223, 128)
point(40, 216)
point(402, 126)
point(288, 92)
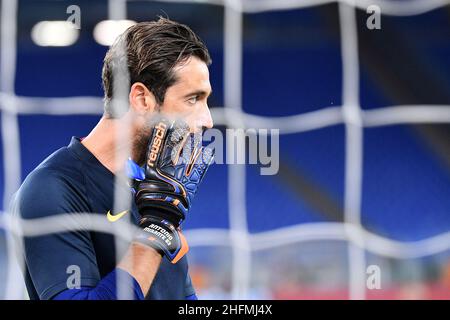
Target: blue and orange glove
point(175, 165)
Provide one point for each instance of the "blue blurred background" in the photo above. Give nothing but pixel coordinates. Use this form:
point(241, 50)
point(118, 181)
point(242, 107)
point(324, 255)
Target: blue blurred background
point(291, 65)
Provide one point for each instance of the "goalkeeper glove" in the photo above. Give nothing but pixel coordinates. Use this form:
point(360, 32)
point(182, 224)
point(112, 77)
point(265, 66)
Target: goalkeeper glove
point(175, 165)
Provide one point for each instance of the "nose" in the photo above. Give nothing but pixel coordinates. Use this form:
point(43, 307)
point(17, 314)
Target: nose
point(206, 119)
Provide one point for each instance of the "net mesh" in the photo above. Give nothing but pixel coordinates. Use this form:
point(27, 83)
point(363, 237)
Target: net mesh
point(237, 237)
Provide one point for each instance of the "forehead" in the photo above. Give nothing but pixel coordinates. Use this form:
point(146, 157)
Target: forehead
point(192, 74)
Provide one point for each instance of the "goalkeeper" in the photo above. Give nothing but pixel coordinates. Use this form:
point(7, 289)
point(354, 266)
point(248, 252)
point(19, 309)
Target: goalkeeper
point(169, 87)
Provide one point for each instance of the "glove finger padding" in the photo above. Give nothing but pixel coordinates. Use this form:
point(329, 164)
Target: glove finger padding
point(176, 164)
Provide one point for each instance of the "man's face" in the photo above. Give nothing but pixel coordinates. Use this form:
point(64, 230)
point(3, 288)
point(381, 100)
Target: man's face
point(185, 100)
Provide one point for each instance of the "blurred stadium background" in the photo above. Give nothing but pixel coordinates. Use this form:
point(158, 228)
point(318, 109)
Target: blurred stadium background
point(294, 58)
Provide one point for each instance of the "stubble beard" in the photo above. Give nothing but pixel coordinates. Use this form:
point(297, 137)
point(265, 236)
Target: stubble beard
point(140, 145)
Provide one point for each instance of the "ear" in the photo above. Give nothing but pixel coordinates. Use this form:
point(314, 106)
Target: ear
point(142, 100)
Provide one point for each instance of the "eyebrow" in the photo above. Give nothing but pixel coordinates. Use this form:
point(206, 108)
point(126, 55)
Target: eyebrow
point(201, 93)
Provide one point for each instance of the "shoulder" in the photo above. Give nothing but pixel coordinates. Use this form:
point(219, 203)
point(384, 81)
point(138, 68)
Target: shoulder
point(55, 186)
point(61, 170)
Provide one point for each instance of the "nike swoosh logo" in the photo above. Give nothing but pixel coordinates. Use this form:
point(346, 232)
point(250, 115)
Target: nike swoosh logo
point(114, 218)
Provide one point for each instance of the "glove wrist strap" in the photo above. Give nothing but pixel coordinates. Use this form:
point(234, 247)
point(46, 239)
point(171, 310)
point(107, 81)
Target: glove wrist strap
point(162, 236)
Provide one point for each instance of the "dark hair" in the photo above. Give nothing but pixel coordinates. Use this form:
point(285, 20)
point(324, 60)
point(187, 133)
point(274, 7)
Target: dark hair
point(152, 49)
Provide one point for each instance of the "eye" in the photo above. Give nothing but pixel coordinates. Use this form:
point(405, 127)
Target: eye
point(193, 100)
